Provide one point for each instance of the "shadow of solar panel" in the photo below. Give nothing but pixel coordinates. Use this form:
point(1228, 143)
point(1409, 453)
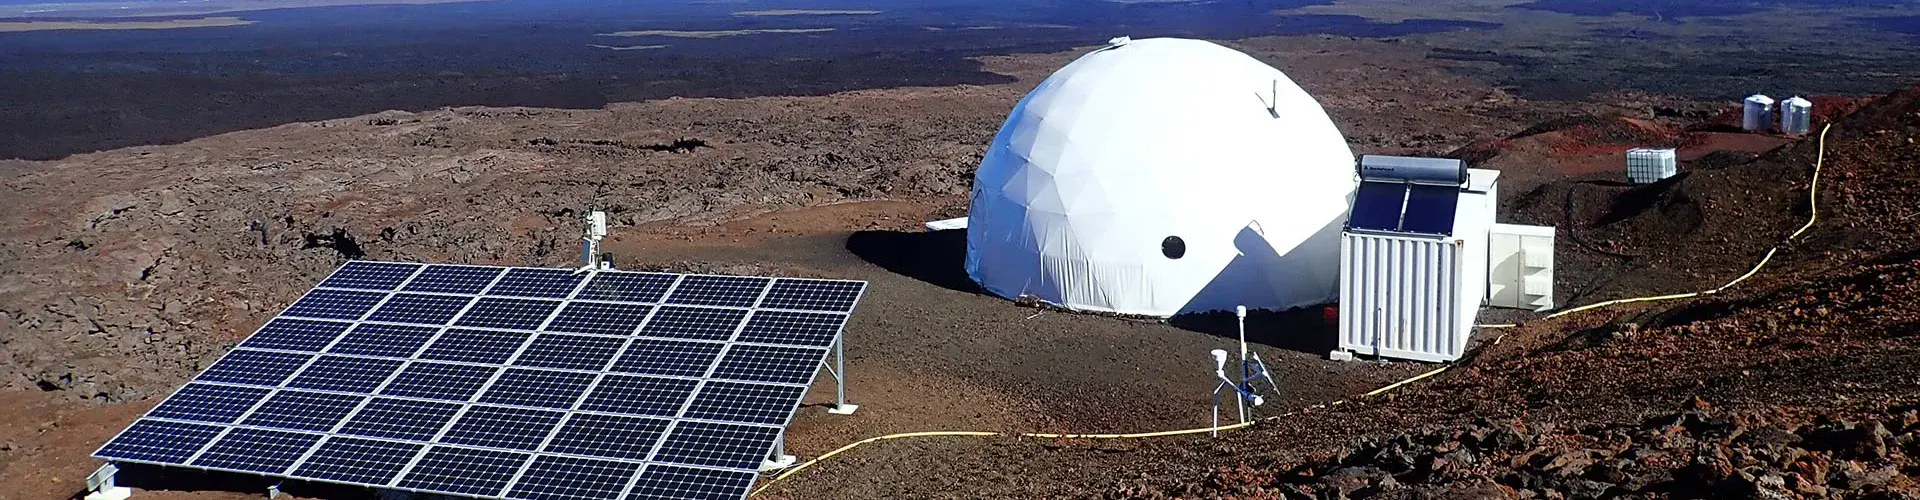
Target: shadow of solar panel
point(813, 295)
point(542, 388)
point(727, 291)
point(296, 335)
point(599, 318)
point(363, 461)
point(501, 427)
point(159, 442)
point(636, 395)
point(573, 352)
point(400, 419)
point(608, 436)
point(627, 287)
point(757, 363)
point(567, 478)
point(476, 346)
point(668, 357)
point(513, 314)
point(419, 309)
point(393, 341)
point(694, 323)
point(305, 411)
point(241, 366)
point(1377, 206)
point(744, 402)
point(673, 482)
point(345, 374)
point(464, 471)
point(468, 280)
point(1430, 210)
point(370, 275)
point(209, 403)
point(257, 450)
point(537, 283)
point(443, 381)
point(334, 304)
point(792, 328)
point(717, 445)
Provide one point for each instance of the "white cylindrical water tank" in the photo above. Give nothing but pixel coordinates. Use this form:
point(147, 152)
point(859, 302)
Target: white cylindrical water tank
point(1758, 115)
point(1796, 116)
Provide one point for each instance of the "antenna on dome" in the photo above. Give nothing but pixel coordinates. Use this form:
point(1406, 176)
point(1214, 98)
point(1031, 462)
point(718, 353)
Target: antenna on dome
point(1271, 101)
point(1119, 41)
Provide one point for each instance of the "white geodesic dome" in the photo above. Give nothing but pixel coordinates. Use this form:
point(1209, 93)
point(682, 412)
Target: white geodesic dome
point(1163, 176)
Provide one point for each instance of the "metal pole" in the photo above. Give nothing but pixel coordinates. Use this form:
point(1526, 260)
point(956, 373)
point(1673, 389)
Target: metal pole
point(1240, 313)
point(840, 370)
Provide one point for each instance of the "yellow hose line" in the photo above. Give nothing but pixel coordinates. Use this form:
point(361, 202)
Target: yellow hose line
point(1813, 211)
point(1242, 425)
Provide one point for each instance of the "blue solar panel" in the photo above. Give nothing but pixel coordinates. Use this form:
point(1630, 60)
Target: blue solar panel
point(638, 395)
point(542, 388)
point(627, 287)
point(384, 340)
point(600, 318)
point(464, 471)
point(745, 402)
point(793, 328)
point(443, 381)
point(813, 295)
point(717, 445)
point(363, 461)
point(566, 478)
point(209, 403)
point(1430, 209)
point(300, 410)
point(476, 346)
point(514, 314)
point(694, 323)
point(728, 291)
point(466, 280)
point(460, 358)
point(419, 309)
point(672, 482)
point(370, 275)
point(400, 419)
point(1377, 206)
point(572, 352)
point(345, 374)
point(668, 357)
point(334, 304)
point(159, 441)
point(502, 427)
point(257, 450)
point(242, 366)
point(608, 436)
point(758, 363)
point(537, 283)
point(296, 335)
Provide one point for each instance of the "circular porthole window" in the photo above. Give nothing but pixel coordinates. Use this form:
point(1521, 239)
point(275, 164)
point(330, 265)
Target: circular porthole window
point(1173, 247)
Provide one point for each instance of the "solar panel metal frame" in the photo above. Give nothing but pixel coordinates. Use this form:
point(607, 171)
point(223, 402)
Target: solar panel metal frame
point(335, 432)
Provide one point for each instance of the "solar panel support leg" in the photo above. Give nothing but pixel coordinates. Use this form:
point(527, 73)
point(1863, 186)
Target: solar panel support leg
point(101, 484)
point(779, 459)
point(273, 491)
point(839, 371)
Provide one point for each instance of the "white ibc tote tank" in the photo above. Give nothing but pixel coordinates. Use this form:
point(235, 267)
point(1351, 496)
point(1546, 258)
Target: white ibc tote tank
point(1161, 176)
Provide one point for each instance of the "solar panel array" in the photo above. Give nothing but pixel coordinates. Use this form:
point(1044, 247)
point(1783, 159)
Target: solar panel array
point(531, 384)
point(1404, 208)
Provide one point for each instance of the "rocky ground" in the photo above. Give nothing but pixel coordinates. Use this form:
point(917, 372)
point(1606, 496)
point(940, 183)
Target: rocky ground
point(123, 272)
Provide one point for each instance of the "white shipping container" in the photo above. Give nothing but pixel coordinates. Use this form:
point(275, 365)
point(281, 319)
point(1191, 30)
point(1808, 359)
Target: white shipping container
point(1757, 114)
point(1414, 297)
point(1647, 166)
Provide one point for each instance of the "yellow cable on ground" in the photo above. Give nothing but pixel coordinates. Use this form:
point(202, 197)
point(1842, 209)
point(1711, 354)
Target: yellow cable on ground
point(1242, 425)
point(1813, 215)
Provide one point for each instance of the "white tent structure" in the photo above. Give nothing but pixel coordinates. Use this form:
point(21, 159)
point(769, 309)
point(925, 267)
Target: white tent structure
point(1162, 176)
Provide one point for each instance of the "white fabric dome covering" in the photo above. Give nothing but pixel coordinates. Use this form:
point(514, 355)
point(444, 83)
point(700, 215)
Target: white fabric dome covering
point(1132, 146)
